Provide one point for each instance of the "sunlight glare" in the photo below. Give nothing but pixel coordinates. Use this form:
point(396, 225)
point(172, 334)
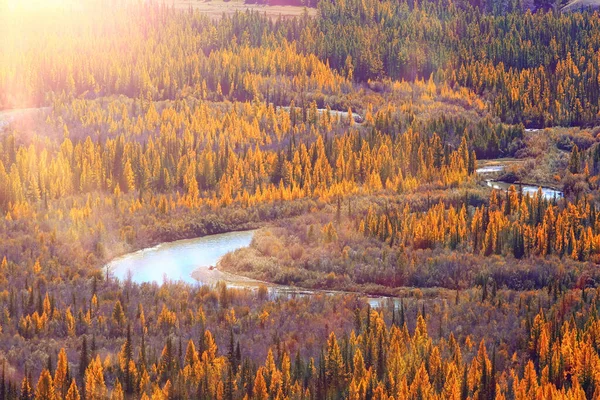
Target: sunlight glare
point(37, 5)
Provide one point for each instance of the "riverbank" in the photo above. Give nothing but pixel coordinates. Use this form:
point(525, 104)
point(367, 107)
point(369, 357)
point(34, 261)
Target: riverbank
point(494, 173)
point(214, 276)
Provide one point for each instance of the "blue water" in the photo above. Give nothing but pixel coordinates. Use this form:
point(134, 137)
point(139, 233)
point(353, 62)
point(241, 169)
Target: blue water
point(175, 261)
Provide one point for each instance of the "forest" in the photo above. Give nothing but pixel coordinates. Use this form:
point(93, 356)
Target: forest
point(394, 158)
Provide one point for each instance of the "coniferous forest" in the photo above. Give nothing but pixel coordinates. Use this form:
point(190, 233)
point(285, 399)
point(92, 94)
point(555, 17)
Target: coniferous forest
point(422, 178)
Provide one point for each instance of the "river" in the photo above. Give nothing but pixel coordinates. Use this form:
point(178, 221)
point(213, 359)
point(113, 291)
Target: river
point(194, 261)
point(489, 171)
point(342, 115)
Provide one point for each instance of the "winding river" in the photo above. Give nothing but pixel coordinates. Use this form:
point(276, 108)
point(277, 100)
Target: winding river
point(194, 261)
point(489, 171)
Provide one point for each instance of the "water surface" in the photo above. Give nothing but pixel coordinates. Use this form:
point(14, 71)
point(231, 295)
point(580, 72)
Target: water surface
point(547, 193)
point(177, 260)
point(493, 170)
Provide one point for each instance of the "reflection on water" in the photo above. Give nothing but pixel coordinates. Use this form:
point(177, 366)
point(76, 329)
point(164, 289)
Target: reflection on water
point(177, 260)
point(547, 193)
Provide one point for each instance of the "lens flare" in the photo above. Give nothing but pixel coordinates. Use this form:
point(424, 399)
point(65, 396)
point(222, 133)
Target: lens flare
point(36, 5)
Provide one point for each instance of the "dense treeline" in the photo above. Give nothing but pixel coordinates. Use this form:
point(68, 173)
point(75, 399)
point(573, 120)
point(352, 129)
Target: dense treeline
point(243, 153)
point(166, 54)
point(516, 224)
point(380, 358)
point(539, 69)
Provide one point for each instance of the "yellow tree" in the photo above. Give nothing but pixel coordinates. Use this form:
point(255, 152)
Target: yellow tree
point(117, 393)
point(73, 392)
point(95, 388)
point(45, 387)
point(334, 363)
point(26, 392)
point(421, 388)
point(60, 375)
point(118, 314)
point(260, 386)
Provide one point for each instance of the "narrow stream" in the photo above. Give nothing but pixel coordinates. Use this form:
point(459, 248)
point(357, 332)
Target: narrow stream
point(489, 171)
